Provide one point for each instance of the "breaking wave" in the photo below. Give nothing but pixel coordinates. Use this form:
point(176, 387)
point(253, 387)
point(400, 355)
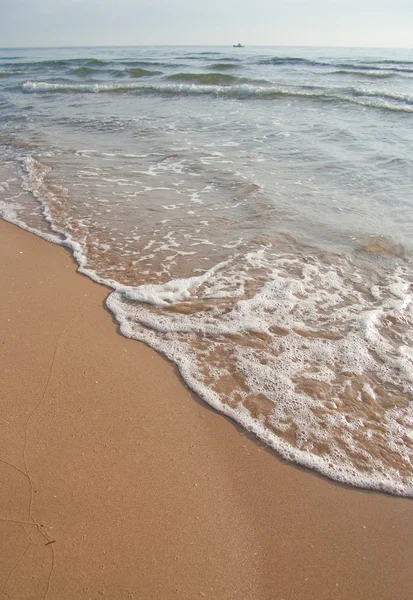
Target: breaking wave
point(308, 350)
point(365, 97)
point(364, 73)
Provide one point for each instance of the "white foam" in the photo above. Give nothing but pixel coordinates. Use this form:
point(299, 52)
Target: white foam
point(288, 304)
point(95, 88)
point(347, 336)
point(366, 97)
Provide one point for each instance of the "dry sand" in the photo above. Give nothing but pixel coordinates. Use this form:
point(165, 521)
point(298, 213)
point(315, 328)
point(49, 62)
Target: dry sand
point(117, 482)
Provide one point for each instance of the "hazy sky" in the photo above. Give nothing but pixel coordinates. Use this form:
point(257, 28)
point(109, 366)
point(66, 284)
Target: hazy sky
point(262, 22)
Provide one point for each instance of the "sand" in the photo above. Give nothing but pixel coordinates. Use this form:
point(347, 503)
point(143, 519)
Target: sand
point(117, 482)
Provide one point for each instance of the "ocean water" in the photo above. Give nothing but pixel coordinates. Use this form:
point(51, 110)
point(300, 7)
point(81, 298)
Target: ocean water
point(252, 210)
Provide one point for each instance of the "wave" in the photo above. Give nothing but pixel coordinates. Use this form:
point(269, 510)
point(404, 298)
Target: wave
point(87, 62)
point(308, 350)
point(59, 64)
point(257, 362)
point(379, 68)
point(177, 89)
point(138, 72)
point(287, 60)
point(211, 58)
point(201, 56)
point(370, 98)
point(367, 73)
point(96, 62)
point(223, 66)
point(386, 66)
point(383, 67)
point(6, 74)
point(209, 78)
point(395, 62)
point(383, 95)
point(146, 63)
point(52, 63)
point(20, 65)
point(84, 71)
point(44, 87)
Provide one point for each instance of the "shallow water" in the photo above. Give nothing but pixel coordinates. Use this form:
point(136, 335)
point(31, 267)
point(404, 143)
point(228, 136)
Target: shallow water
point(252, 209)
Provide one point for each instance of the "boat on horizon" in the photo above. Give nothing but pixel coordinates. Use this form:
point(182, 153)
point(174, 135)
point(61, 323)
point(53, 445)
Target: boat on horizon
point(239, 45)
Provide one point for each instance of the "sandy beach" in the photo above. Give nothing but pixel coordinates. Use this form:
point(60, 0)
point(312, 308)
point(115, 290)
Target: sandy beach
point(118, 483)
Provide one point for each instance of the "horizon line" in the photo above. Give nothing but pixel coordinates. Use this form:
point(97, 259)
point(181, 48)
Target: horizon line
point(200, 45)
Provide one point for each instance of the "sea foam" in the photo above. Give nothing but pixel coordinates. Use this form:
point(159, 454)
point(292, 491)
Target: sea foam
point(172, 188)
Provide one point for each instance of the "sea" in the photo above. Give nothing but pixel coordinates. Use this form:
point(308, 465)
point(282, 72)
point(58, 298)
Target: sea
point(252, 211)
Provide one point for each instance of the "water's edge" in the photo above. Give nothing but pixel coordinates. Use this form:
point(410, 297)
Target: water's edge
point(282, 450)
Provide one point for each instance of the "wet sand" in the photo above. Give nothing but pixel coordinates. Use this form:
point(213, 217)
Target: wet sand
point(116, 482)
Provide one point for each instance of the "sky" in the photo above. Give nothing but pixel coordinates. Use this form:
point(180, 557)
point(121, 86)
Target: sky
point(377, 23)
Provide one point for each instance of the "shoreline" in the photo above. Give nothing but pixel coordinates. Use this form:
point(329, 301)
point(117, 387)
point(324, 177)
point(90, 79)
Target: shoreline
point(120, 485)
